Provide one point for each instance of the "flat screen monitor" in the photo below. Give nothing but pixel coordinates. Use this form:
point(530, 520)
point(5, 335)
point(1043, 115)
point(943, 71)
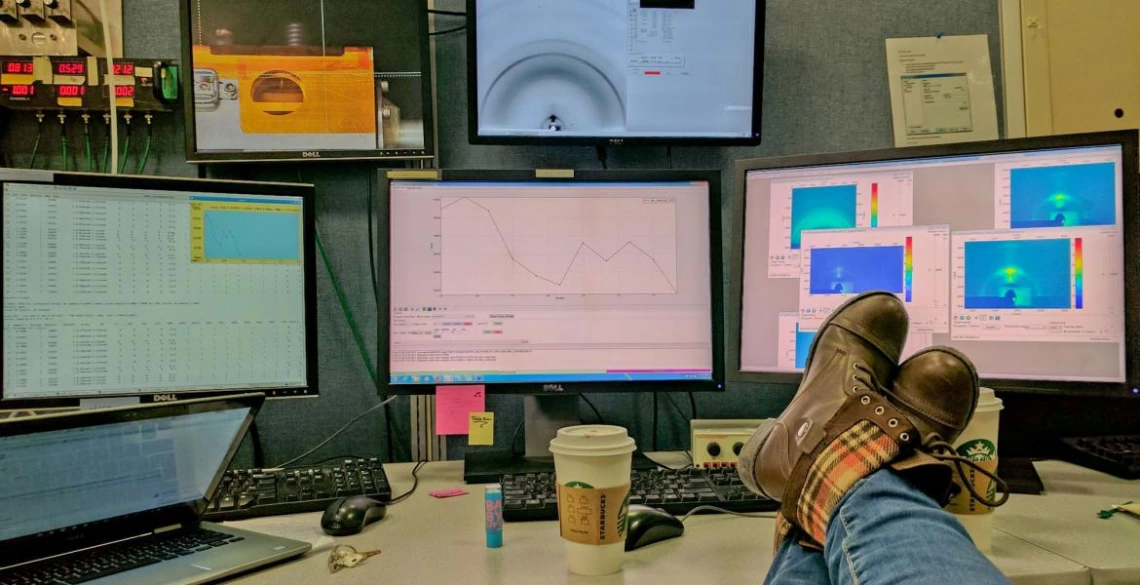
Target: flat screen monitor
point(607, 281)
point(615, 71)
point(1021, 253)
point(306, 80)
point(156, 288)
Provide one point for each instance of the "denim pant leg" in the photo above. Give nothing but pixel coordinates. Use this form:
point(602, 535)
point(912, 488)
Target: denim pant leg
point(796, 565)
point(886, 531)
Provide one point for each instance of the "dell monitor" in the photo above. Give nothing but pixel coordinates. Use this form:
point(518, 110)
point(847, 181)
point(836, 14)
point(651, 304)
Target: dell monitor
point(599, 72)
point(1020, 253)
point(306, 80)
point(554, 284)
point(155, 289)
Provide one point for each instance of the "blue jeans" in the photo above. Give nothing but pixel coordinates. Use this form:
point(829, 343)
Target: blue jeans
point(886, 531)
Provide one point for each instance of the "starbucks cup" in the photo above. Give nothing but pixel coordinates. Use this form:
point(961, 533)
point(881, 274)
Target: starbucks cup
point(978, 443)
point(592, 463)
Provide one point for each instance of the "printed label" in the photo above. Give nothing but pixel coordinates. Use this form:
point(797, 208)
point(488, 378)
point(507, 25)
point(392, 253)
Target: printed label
point(984, 453)
point(592, 516)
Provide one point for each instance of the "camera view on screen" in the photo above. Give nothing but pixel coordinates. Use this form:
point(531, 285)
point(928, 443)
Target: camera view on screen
point(616, 68)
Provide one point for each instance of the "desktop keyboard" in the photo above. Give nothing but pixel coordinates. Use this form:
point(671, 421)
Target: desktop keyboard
point(1119, 456)
point(532, 496)
point(117, 558)
point(250, 493)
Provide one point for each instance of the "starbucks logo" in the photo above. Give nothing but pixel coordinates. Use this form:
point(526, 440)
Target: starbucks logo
point(978, 450)
point(623, 516)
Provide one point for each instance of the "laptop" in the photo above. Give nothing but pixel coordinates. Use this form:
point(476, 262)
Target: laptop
point(117, 496)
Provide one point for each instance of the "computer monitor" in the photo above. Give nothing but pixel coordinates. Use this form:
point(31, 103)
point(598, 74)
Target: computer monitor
point(615, 71)
point(306, 80)
point(588, 282)
point(1021, 253)
point(155, 288)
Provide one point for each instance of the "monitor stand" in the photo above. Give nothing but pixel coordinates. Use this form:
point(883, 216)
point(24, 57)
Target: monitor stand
point(543, 416)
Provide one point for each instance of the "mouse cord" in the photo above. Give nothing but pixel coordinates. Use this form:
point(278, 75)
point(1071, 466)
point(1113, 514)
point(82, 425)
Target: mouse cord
point(337, 433)
point(723, 511)
point(415, 484)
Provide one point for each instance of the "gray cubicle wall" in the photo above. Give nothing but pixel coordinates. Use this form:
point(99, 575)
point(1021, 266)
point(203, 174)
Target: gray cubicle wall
point(825, 89)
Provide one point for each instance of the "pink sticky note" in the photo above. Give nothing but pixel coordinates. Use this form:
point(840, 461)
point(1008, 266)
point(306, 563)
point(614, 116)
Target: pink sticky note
point(453, 406)
point(451, 493)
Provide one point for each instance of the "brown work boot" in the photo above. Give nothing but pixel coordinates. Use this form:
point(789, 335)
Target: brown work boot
point(855, 351)
point(937, 389)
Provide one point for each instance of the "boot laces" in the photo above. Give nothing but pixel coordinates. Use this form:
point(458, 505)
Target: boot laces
point(943, 451)
point(865, 379)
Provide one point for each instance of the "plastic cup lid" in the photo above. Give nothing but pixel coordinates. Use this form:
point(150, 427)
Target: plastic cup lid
point(987, 401)
point(592, 441)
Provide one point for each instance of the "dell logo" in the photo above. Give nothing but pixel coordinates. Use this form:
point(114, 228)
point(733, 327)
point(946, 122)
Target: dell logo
point(617, 141)
point(553, 388)
point(311, 154)
point(165, 398)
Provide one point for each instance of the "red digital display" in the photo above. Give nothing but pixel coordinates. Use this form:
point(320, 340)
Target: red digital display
point(70, 68)
point(124, 91)
point(23, 90)
point(18, 67)
point(123, 69)
point(70, 90)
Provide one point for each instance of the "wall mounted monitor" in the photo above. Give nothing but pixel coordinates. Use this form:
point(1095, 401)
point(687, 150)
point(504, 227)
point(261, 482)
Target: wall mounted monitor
point(606, 281)
point(155, 289)
point(1021, 253)
point(306, 80)
point(615, 71)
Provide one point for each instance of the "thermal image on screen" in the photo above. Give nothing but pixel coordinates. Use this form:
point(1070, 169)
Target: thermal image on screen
point(1068, 195)
point(822, 208)
point(845, 271)
point(1026, 274)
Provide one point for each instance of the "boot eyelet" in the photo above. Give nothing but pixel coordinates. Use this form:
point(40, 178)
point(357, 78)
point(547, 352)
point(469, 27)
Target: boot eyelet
point(904, 436)
point(893, 423)
point(879, 410)
point(854, 388)
point(865, 400)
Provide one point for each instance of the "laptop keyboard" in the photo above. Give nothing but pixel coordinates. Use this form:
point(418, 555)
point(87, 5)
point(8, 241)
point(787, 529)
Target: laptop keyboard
point(117, 558)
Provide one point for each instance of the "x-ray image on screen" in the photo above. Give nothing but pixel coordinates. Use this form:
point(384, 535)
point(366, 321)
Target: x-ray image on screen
point(615, 68)
point(1034, 274)
point(1063, 196)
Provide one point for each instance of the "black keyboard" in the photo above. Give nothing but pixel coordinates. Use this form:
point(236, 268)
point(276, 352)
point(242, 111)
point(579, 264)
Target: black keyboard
point(117, 558)
point(532, 496)
point(251, 493)
point(1119, 455)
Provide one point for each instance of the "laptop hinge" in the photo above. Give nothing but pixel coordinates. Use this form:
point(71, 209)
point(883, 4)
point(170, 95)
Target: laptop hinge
point(170, 528)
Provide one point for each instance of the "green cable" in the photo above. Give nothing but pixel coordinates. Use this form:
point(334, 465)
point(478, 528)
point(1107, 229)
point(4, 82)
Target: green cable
point(107, 150)
point(36, 149)
point(146, 152)
point(126, 148)
point(87, 141)
point(63, 140)
point(347, 312)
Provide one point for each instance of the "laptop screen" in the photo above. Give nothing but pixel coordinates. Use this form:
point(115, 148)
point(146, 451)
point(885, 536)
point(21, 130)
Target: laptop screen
point(64, 478)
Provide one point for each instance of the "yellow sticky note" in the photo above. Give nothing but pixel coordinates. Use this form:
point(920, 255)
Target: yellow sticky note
point(481, 428)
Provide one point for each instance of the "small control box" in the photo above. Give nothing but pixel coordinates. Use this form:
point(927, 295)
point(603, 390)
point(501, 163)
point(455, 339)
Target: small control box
point(717, 443)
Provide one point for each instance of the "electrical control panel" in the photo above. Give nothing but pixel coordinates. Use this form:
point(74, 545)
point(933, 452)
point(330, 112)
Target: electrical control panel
point(59, 27)
point(717, 443)
point(46, 84)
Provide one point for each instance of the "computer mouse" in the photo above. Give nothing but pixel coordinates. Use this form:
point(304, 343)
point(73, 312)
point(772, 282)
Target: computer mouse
point(350, 515)
point(648, 525)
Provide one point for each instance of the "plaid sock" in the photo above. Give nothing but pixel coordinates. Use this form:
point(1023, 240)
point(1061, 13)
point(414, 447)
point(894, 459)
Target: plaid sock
point(853, 455)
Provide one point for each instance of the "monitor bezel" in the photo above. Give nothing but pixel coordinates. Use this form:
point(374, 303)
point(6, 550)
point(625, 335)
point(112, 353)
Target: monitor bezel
point(1126, 139)
point(475, 137)
point(306, 192)
point(716, 275)
point(195, 156)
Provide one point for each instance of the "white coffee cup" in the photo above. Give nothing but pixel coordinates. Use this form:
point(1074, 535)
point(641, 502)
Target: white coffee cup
point(979, 444)
point(592, 464)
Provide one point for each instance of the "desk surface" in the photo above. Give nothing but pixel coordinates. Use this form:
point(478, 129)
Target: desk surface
point(1065, 522)
point(428, 540)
